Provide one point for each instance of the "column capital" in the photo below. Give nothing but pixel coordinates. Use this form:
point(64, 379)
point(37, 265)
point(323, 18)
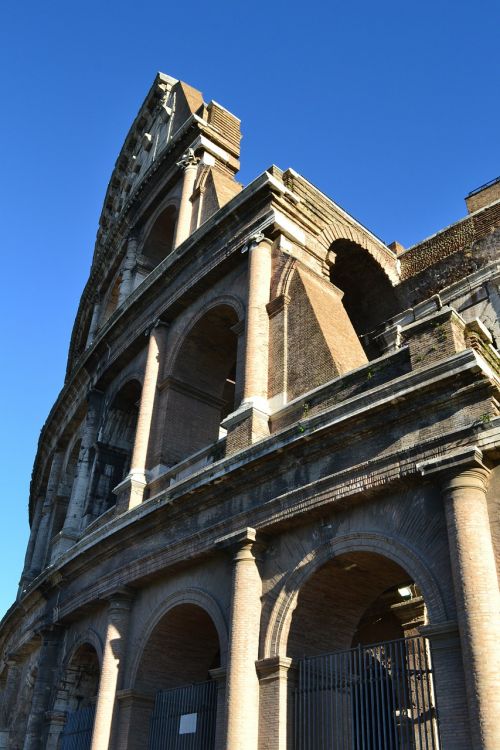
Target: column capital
point(274, 667)
point(218, 674)
point(460, 469)
point(94, 396)
point(120, 600)
point(243, 544)
point(239, 327)
point(155, 326)
point(188, 159)
point(254, 240)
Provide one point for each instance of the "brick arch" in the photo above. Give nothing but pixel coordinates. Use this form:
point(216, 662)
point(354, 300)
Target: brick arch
point(118, 384)
point(382, 255)
point(196, 597)
point(278, 628)
point(89, 636)
point(223, 300)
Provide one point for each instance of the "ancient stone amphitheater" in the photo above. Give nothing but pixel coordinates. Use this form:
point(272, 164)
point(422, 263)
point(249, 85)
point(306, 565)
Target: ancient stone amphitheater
point(265, 505)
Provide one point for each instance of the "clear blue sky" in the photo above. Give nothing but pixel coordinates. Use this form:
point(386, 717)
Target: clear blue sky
point(391, 108)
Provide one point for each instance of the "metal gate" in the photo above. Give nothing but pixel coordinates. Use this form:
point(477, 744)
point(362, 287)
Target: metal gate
point(77, 732)
point(377, 697)
point(184, 718)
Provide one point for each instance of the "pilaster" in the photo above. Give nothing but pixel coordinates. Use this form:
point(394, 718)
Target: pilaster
point(189, 163)
point(464, 479)
point(111, 670)
point(72, 524)
point(42, 690)
point(242, 692)
point(130, 492)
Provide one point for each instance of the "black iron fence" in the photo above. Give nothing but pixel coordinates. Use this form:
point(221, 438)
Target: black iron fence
point(377, 697)
point(77, 732)
point(184, 718)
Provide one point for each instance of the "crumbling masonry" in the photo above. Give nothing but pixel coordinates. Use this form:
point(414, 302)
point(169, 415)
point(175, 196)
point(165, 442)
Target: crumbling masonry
point(265, 505)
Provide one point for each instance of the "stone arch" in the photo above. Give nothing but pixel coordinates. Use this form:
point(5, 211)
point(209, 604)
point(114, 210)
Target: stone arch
point(89, 636)
point(368, 295)
point(197, 597)
point(408, 559)
point(158, 234)
point(120, 382)
point(180, 650)
point(75, 691)
point(229, 300)
point(70, 448)
point(111, 297)
point(114, 446)
point(202, 382)
point(379, 252)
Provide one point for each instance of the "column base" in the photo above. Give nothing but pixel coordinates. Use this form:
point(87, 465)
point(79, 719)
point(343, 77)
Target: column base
point(130, 492)
point(245, 426)
point(63, 541)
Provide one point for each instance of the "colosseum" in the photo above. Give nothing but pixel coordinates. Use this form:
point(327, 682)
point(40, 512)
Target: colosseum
point(264, 508)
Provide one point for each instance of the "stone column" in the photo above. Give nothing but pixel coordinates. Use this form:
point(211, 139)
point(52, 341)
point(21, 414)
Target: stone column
point(476, 590)
point(43, 536)
point(249, 422)
point(10, 690)
point(128, 267)
point(111, 670)
point(26, 578)
point(277, 680)
point(448, 680)
point(219, 675)
point(189, 162)
point(242, 691)
point(94, 322)
point(71, 529)
point(131, 490)
point(42, 690)
point(257, 322)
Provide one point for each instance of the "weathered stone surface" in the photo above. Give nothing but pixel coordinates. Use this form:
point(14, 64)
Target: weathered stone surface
point(278, 437)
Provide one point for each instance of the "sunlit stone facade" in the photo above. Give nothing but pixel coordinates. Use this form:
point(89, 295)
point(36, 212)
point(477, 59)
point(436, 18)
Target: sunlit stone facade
point(265, 505)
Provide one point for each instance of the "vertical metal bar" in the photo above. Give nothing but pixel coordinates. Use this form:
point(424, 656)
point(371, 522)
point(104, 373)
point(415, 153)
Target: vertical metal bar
point(362, 688)
point(331, 703)
point(423, 685)
point(394, 705)
point(415, 684)
point(387, 696)
point(409, 735)
point(430, 697)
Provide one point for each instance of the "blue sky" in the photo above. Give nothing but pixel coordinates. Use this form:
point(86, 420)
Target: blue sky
point(390, 108)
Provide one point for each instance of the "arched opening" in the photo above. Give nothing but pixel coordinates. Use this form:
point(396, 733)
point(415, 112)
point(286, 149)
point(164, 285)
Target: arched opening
point(111, 302)
point(363, 670)
point(176, 694)
point(201, 389)
point(369, 297)
point(75, 699)
point(160, 240)
point(113, 451)
point(65, 486)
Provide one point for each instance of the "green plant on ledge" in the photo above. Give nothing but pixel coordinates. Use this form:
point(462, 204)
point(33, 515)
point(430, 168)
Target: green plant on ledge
point(305, 412)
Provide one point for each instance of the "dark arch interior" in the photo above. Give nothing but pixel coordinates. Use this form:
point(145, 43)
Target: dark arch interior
point(369, 297)
point(113, 451)
point(202, 385)
point(351, 599)
point(182, 649)
point(80, 680)
point(65, 487)
point(160, 241)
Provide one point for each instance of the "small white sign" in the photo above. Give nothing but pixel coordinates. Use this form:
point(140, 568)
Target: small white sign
point(187, 724)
